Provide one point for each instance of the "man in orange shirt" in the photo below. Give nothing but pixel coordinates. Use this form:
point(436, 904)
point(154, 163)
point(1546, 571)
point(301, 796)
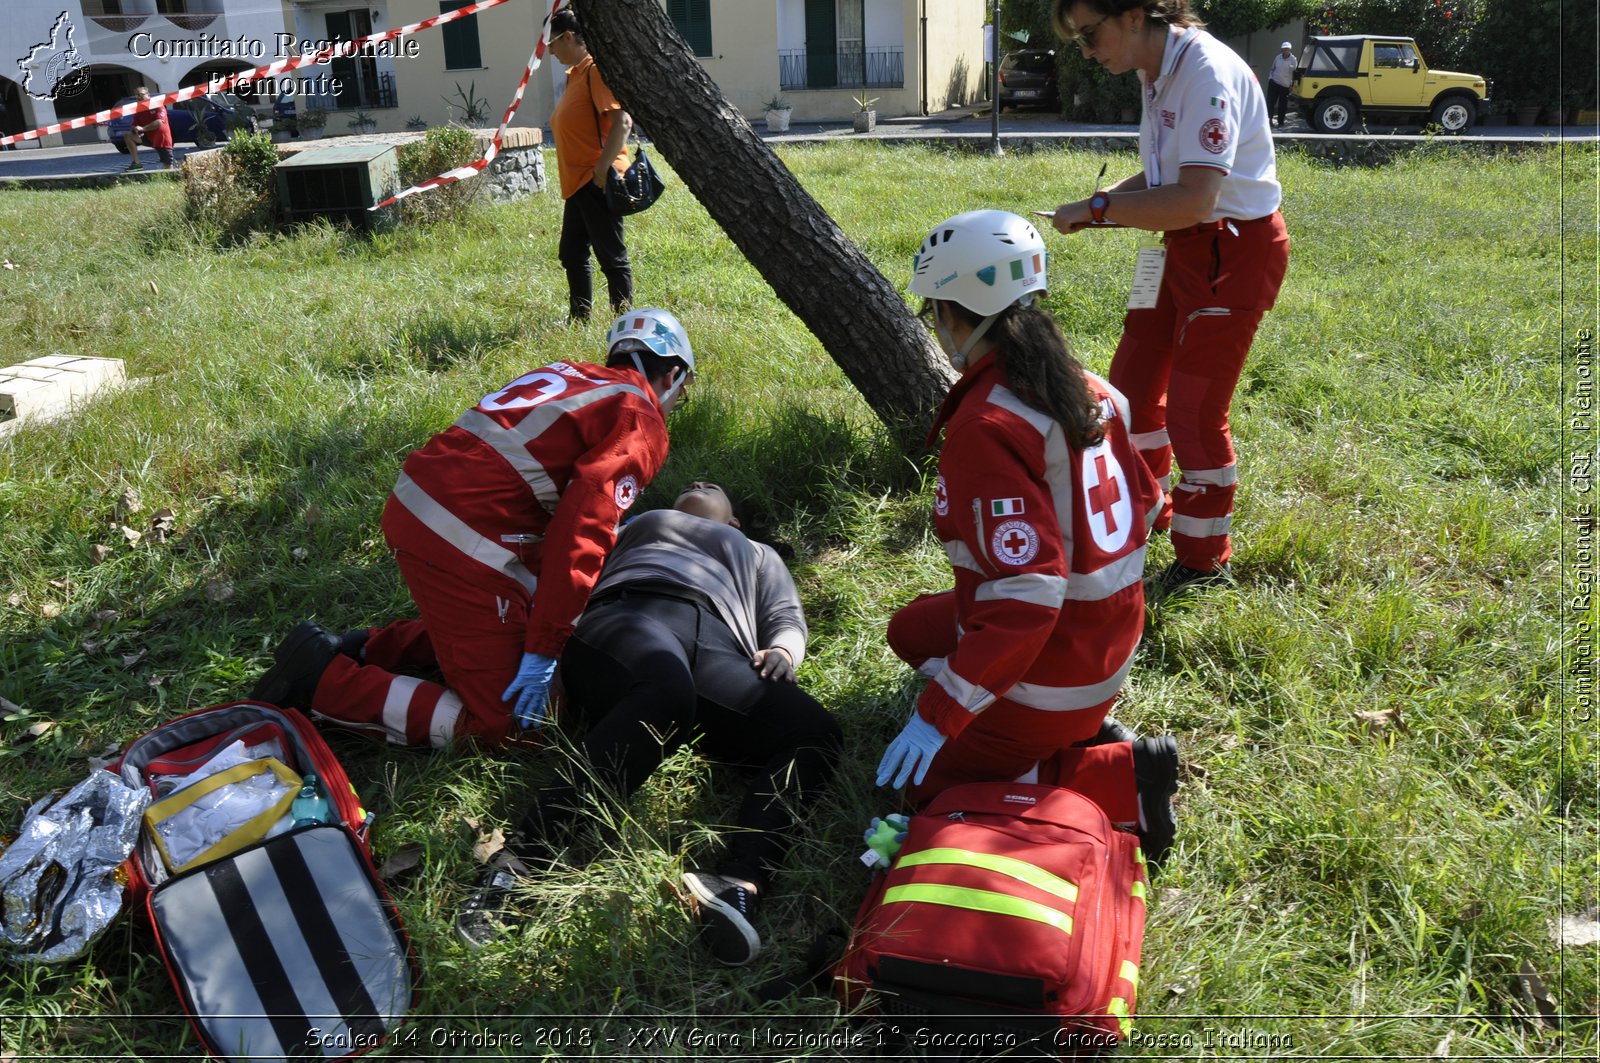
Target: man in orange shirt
point(591, 133)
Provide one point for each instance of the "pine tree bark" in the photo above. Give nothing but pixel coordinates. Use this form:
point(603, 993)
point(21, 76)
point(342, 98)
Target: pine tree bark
point(856, 313)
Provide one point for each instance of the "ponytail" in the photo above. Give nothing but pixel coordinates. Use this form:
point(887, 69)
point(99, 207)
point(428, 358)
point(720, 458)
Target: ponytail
point(1036, 360)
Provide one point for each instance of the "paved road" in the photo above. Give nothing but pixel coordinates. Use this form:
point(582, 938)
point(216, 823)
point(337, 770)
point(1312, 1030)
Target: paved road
point(103, 162)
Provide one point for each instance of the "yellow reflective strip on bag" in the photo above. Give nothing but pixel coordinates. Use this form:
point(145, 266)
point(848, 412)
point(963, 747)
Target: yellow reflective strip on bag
point(1130, 973)
point(1119, 1008)
point(979, 901)
point(1020, 870)
point(1138, 854)
point(1138, 889)
point(251, 832)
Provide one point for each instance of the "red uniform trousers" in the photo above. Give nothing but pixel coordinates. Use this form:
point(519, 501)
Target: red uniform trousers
point(472, 630)
point(1179, 363)
point(1012, 742)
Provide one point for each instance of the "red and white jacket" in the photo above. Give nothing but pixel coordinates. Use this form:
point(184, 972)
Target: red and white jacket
point(532, 482)
point(1047, 542)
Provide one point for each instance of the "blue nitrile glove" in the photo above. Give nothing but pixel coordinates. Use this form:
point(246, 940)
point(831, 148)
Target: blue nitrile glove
point(912, 749)
point(530, 688)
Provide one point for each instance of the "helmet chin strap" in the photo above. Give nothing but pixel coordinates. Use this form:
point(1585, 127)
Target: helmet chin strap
point(958, 356)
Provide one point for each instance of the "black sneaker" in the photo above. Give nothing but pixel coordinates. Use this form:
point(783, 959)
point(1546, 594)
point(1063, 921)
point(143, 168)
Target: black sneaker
point(1155, 769)
point(301, 658)
point(488, 914)
point(1112, 730)
point(725, 909)
point(1177, 577)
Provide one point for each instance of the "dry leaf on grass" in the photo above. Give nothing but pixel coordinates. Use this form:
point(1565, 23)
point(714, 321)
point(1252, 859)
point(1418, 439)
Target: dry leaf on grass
point(105, 758)
point(92, 646)
point(9, 708)
point(219, 590)
point(14, 600)
point(49, 610)
point(131, 659)
point(34, 733)
point(153, 289)
point(299, 553)
point(155, 681)
point(485, 843)
point(401, 863)
point(1379, 721)
point(128, 503)
point(102, 618)
point(99, 552)
point(313, 515)
point(162, 523)
point(132, 535)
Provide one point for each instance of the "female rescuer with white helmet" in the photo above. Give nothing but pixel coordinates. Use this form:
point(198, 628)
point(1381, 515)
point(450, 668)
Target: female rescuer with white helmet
point(1043, 506)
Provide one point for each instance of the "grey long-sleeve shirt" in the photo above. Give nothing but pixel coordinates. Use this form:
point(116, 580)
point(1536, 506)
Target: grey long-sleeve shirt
point(747, 581)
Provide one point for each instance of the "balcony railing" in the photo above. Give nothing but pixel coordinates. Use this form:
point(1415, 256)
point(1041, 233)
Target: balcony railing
point(847, 67)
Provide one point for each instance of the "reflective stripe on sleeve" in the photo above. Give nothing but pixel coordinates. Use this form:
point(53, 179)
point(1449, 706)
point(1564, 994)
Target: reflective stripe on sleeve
point(979, 901)
point(1035, 588)
point(453, 530)
point(969, 696)
point(1011, 867)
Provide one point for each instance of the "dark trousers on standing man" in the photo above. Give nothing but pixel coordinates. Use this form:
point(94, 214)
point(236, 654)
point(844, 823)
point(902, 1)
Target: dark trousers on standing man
point(588, 222)
point(1277, 100)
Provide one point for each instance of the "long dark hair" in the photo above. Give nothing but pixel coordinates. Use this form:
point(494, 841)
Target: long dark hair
point(1159, 12)
point(1036, 359)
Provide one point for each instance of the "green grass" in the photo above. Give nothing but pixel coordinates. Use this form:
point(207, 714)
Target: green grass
point(1334, 892)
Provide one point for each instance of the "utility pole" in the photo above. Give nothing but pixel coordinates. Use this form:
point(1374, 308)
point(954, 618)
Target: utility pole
point(994, 83)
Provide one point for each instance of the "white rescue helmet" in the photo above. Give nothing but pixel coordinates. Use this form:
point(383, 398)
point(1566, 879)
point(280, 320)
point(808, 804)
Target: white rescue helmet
point(659, 332)
point(985, 260)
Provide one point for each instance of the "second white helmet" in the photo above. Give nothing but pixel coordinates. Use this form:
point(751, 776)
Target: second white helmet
point(986, 260)
point(658, 330)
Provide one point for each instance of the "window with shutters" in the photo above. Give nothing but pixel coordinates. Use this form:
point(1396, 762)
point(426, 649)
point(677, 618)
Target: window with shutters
point(461, 50)
point(692, 19)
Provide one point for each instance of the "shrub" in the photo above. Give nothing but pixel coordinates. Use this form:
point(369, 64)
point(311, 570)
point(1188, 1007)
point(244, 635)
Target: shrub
point(233, 192)
point(441, 148)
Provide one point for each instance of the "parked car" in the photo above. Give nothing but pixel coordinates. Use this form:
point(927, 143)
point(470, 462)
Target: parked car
point(202, 121)
point(1342, 80)
point(1029, 76)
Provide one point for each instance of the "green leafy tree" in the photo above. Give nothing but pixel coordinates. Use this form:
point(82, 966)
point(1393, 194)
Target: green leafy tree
point(1443, 29)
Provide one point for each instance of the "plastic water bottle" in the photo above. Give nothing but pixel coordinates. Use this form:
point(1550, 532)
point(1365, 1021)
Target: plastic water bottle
point(309, 806)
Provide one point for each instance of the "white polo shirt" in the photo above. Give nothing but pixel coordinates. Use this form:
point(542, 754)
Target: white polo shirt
point(1207, 109)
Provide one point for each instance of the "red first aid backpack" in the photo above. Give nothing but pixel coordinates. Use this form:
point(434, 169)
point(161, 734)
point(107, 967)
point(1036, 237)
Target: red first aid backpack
point(285, 946)
point(1013, 915)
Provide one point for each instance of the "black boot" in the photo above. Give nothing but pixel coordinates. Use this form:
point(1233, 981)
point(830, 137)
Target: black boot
point(1155, 769)
point(301, 659)
point(1112, 730)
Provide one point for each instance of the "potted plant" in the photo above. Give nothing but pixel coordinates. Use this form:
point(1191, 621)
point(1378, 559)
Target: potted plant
point(778, 112)
point(866, 119)
point(312, 121)
point(363, 122)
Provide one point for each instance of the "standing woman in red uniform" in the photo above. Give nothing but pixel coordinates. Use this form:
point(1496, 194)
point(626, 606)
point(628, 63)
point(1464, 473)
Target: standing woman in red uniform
point(1043, 506)
point(1209, 183)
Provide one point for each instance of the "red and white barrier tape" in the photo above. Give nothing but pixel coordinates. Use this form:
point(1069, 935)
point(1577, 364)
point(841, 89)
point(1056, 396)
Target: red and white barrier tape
point(472, 169)
point(282, 66)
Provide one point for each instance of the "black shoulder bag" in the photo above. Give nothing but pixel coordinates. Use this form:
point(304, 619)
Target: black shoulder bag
point(637, 187)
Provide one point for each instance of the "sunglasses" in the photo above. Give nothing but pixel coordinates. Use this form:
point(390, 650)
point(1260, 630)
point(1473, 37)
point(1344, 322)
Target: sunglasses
point(1086, 34)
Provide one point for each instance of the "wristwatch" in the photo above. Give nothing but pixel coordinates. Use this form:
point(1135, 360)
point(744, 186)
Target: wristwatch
point(1097, 207)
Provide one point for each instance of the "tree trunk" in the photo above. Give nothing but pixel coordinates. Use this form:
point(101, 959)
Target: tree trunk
point(857, 314)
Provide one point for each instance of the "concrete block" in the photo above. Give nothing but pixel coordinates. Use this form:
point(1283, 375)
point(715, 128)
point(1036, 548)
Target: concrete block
point(49, 385)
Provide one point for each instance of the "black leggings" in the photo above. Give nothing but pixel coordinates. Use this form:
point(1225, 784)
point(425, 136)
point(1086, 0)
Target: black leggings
point(586, 221)
point(646, 673)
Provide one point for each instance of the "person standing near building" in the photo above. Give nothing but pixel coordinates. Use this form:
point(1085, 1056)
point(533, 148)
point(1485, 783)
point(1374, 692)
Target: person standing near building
point(591, 134)
point(1209, 184)
point(153, 128)
point(500, 525)
point(1279, 80)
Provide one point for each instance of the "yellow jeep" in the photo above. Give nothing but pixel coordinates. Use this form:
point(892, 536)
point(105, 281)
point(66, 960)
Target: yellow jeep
point(1342, 79)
